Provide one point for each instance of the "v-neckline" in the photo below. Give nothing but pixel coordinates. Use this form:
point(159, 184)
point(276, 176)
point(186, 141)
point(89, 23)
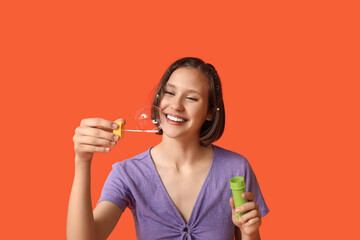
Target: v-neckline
point(160, 182)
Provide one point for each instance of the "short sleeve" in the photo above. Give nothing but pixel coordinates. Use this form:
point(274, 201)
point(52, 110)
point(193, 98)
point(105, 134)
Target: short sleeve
point(252, 185)
point(115, 188)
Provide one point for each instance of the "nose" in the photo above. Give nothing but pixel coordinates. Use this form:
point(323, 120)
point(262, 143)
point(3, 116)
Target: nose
point(177, 104)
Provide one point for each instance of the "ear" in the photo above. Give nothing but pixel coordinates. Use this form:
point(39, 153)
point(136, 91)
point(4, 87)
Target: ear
point(209, 116)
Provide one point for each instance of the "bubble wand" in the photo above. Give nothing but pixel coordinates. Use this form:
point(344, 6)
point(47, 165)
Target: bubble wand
point(145, 118)
point(120, 130)
point(133, 130)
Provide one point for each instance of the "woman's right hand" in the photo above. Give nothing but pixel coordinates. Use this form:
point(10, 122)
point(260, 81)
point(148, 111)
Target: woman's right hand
point(94, 135)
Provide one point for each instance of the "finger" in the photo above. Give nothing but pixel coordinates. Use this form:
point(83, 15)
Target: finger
point(120, 119)
point(117, 124)
point(249, 215)
point(91, 148)
point(253, 220)
point(248, 196)
point(89, 140)
point(232, 204)
point(99, 123)
point(97, 133)
point(246, 207)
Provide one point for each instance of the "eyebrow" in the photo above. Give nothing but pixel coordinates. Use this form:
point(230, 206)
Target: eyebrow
point(189, 90)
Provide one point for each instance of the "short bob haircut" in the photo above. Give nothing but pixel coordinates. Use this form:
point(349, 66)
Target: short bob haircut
point(210, 130)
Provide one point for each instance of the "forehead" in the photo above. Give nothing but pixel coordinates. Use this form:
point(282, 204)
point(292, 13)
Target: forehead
point(189, 78)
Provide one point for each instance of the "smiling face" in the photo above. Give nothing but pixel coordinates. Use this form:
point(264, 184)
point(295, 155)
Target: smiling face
point(184, 103)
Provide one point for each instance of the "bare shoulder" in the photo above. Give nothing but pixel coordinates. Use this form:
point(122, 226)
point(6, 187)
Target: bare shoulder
point(106, 216)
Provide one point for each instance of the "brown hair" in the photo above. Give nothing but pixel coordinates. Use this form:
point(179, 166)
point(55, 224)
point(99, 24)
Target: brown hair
point(210, 130)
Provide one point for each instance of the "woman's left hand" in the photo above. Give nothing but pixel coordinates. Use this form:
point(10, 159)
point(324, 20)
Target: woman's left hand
point(250, 222)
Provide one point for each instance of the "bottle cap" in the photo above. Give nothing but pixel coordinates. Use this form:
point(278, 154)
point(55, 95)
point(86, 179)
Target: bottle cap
point(237, 183)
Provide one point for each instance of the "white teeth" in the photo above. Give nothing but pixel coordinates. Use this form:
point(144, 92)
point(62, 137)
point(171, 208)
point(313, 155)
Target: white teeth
point(175, 118)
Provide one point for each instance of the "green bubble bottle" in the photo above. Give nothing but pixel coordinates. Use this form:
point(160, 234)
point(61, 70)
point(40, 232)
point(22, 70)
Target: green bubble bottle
point(238, 187)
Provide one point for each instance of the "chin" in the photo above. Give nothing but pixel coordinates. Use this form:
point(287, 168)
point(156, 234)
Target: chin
point(172, 134)
point(180, 135)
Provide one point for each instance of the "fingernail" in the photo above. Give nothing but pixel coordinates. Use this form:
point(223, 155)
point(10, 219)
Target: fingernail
point(237, 210)
point(115, 125)
point(116, 137)
point(112, 143)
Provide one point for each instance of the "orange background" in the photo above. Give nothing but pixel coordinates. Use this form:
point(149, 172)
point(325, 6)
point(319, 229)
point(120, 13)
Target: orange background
point(290, 74)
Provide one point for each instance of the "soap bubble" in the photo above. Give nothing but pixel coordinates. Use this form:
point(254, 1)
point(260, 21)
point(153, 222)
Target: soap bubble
point(147, 118)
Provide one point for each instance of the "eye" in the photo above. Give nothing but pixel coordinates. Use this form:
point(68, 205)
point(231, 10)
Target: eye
point(168, 93)
point(192, 99)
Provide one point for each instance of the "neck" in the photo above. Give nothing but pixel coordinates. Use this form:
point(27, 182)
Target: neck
point(181, 153)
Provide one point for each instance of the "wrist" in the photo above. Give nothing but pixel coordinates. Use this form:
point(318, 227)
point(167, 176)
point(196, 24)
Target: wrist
point(252, 236)
point(82, 165)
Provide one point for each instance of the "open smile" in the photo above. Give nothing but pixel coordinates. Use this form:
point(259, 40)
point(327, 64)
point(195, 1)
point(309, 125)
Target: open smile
point(175, 118)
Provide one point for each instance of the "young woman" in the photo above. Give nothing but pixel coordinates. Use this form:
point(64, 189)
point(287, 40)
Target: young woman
point(178, 189)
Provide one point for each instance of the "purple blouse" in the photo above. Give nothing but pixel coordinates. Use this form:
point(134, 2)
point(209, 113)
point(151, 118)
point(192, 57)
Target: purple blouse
point(135, 183)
